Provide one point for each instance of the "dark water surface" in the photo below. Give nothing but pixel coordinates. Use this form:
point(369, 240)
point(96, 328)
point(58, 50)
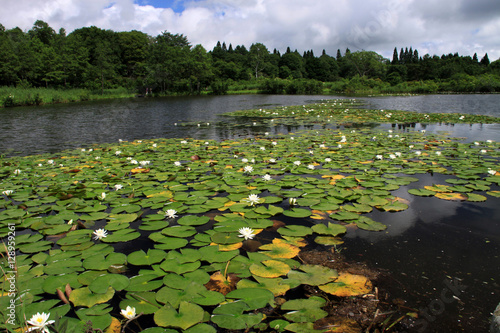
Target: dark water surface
point(441, 257)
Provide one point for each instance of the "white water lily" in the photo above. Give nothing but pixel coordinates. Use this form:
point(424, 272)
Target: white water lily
point(248, 168)
point(70, 222)
point(184, 142)
point(379, 157)
point(177, 163)
point(144, 163)
point(274, 143)
point(297, 163)
point(128, 312)
point(50, 161)
point(267, 177)
point(483, 151)
point(310, 166)
point(253, 199)
point(39, 321)
point(118, 152)
point(328, 160)
point(170, 213)
point(343, 139)
point(17, 172)
point(118, 187)
point(100, 233)
point(134, 162)
point(339, 146)
point(438, 153)
point(392, 156)
point(398, 154)
point(102, 196)
point(246, 232)
point(492, 172)
point(244, 160)
point(272, 160)
point(476, 143)
point(262, 148)
point(7, 192)
point(155, 145)
point(418, 153)
point(292, 201)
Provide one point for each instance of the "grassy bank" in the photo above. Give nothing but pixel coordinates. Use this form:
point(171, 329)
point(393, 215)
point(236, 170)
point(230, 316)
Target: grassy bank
point(10, 96)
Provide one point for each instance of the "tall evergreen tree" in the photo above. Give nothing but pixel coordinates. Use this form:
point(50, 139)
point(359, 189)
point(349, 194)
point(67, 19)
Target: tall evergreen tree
point(395, 59)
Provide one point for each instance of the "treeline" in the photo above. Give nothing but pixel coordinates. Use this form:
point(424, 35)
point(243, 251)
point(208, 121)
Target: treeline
point(96, 59)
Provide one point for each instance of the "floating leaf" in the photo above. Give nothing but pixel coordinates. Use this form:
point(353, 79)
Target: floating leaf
point(305, 310)
point(188, 315)
point(231, 316)
point(116, 281)
point(332, 229)
point(326, 240)
point(297, 213)
point(313, 275)
point(367, 223)
point(348, 285)
point(279, 249)
point(255, 298)
point(295, 230)
point(141, 258)
point(452, 196)
point(270, 269)
point(421, 192)
point(85, 297)
point(222, 284)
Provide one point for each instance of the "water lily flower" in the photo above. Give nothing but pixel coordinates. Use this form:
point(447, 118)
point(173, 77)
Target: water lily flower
point(17, 172)
point(118, 187)
point(297, 163)
point(266, 133)
point(70, 221)
point(422, 131)
point(398, 154)
point(489, 141)
point(118, 152)
point(392, 156)
point(492, 172)
point(343, 139)
point(253, 199)
point(462, 117)
point(476, 143)
point(292, 201)
point(50, 161)
point(483, 151)
point(438, 153)
point(379, 157)
point(102, 196)
point(177, 163)
point(248, 168)
point(244, 160)
point(128, 312)
point(339, 146)
point(310, 166)
point(274, 143)
point(246, 232)
point(328, 160)
point(39, 321)
point(7, 192)
point(418, 153)
point(292, 138)
point(262, 148)
point(170, 213)
point(134, 162)
point(155, 145)
point(311, 152)
point(267, 177)
point(184, 142)
point(144, 163)
point(272, 160)
point(100, 233)
point(322, 146)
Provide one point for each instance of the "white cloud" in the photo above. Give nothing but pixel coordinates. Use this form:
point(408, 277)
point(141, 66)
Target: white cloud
point(448, 26)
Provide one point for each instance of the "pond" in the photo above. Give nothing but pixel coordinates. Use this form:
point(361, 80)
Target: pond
point(441, 257)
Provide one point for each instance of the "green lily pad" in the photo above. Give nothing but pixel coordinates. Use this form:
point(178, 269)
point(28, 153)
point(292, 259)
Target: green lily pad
point(140, 257)
point(85, 297)
point(231, 316)
point(255, 298)
point(305, 310)
point(332, 229)
point(116, 281)
point(188, 315)
point(297, 213)
point(313, 275)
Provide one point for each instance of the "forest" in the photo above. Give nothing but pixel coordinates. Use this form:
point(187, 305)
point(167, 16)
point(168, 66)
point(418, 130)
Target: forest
point(96, 60)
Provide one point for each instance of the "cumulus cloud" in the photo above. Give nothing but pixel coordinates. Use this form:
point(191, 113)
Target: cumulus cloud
point(448, 26)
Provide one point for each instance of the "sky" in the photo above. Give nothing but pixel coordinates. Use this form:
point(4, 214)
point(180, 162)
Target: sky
point(433, 27)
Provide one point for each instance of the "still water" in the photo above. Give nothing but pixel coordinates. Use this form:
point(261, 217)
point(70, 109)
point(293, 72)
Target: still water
point(432, 251)
point(52, 128)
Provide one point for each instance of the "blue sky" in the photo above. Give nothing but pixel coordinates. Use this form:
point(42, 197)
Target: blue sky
point(430, 26)
point(176, 5)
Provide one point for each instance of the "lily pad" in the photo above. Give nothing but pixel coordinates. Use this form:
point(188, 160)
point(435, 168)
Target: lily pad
point(189, 314)
point(348, 285)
